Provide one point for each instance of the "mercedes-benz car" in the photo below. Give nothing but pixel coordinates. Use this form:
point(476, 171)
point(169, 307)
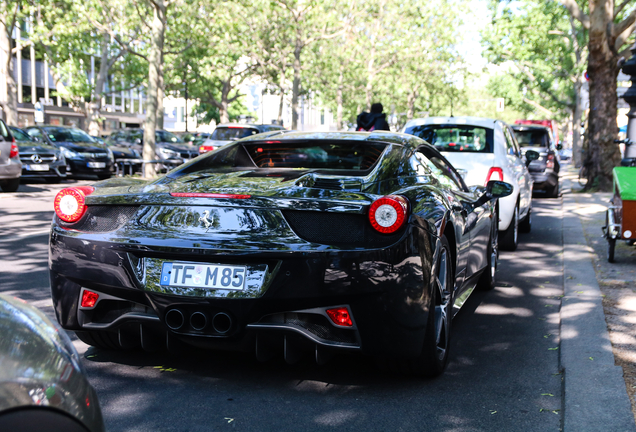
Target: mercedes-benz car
point(39, 160)
point(482, 150)
point(84, 156)
point(287, 243)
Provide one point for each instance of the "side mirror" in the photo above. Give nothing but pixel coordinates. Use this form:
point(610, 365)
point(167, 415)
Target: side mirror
point(495, 189)
point(531, 155)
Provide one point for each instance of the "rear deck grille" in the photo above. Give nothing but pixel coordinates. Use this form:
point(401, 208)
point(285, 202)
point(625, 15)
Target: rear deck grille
point(337, 229)
point(103, 218)
point(324, 183)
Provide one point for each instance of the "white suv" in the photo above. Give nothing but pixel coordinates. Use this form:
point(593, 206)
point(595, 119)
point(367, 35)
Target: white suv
point(481, 150)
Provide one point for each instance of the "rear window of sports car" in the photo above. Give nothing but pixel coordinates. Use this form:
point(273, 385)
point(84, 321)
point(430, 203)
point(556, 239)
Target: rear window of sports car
point(455, 138)
point(324, 155)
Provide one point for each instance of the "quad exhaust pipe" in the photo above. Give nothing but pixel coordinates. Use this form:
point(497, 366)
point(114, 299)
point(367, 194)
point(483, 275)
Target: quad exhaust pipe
point(221, 322)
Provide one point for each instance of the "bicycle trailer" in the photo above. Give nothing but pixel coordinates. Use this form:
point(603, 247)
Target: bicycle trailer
point(620, 219)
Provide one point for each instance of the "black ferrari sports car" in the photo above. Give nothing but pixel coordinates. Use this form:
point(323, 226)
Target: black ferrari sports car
point(280, 243)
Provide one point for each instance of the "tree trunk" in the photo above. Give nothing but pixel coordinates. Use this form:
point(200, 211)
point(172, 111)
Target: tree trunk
point(410, 103)
point(296, 84)
point(281, 86)
point(223, 109)
point(95, 107)
point(161, 92)
point(154, 84)
point(8, 89)
point(577, 114)
point(603, 71)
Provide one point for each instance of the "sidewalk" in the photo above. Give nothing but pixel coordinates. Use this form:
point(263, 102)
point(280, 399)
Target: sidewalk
point(595, 386)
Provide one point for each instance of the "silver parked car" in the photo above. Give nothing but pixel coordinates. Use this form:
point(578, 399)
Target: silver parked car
point(43, 386)
point(10, 165)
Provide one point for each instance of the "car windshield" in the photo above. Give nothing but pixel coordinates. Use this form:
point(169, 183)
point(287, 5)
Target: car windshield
point(57, 134)
point(532, 138)
point(356, 157)
point(455, 138)
point(232, 133)
point(20, 135)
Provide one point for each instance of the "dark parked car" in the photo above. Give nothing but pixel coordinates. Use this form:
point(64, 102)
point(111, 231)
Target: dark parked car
point(228, 132)
point(545, 170)
point(10, 165)
point(170, 149)
point(39, 160)
point(354, 242)
point(43, 386)
point(83, 155)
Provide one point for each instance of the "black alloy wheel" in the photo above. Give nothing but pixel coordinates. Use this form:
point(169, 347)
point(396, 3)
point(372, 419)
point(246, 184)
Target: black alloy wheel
point(10, 185)
point(510, 237)
point(488, 278)
point(434, 357)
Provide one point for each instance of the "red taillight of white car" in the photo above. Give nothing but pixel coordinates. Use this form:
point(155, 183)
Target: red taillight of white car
point(388, 214)
point(549, 163)
point(494, 173)
point(14, 150)
point(70, 203)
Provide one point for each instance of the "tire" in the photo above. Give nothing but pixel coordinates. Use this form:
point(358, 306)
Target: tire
point(611, 245)
point(509, 239)
point(10, 185)
point(553, 192)
point(434, 357)
point(100, 339)
point(525, 226)
point(488, 278)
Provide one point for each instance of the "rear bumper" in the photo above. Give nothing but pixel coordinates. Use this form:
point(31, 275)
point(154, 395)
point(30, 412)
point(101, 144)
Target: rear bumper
point(383, 289)
point(544, 181)
point(11, 170)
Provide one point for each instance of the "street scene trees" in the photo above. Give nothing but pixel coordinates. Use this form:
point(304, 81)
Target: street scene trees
point(130, 55)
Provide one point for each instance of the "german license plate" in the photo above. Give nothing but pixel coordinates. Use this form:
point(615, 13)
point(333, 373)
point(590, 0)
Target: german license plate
point(96, 164)
point(208, 276)
point(43, 167)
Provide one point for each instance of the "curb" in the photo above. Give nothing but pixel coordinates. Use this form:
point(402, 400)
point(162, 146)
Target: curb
point(595, 397)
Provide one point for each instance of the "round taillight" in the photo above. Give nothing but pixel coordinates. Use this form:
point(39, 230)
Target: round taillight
point(388, 214)
point(70, 203)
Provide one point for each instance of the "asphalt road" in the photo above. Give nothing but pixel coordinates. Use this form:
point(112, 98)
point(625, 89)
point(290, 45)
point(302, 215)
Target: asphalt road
point(503, 374)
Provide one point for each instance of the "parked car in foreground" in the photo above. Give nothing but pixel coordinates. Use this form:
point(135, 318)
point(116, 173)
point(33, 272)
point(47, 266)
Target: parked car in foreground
point(83, 155)
point(359, 242)
point(483, 150)
point(227, 132)
point(10, 165)
point(39, 160)
point(545, 170)
point(43, 386)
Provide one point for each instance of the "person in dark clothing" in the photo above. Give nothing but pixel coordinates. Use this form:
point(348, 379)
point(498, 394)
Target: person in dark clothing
point(375, 120)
